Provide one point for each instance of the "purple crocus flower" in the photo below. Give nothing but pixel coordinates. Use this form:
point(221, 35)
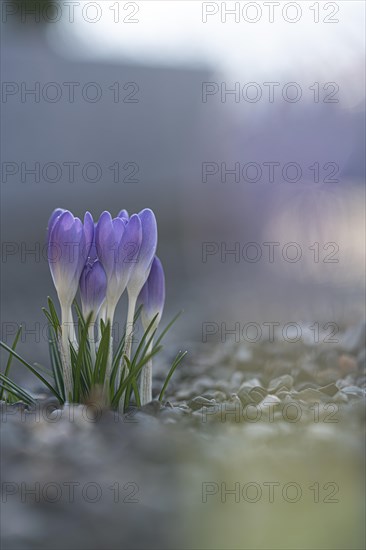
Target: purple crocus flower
point(93, 288)
point(152, 295)
point(117, 241)
point(69, 242)
point(146, 254)
point(141, 270)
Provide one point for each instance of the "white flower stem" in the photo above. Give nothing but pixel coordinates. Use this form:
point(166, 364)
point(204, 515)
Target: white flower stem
point(146, 379)
point(130, 325)
point(67, 332)
point(72, 334)
point(128, 341)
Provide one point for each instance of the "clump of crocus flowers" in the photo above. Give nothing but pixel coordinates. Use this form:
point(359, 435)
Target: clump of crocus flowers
point(102, 260)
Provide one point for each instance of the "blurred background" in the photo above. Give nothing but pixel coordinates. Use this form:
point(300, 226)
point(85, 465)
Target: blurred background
point(131, 107)
point(244, 132)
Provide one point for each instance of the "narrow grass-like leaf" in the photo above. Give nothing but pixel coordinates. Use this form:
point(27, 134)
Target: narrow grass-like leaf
point(167, 328)
point(124, 383)
point(128, 389)
point(42, 369)
point(32, 369)
point(56, 367)
point(131, 366)
point(79, 313)
point(86, 374)
point(143, 339)
point(137, 370)
point(54, 335)
point(136, 392)
point(83, 325)
point(8, 364)
point(80, 360)
point(113, 392)
point(53, 313)
point(101, 361)
point(114, 373)
point(48, 315)
point(16, 391)
point(176, 362)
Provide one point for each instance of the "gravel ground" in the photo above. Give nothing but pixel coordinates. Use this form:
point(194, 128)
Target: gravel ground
point(255, 447)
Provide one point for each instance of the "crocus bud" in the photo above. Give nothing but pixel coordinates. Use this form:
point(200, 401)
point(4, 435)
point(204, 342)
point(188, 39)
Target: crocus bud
point(69, 242)
point(146, 253)
point(152, 298)
point(118, 242)
point(152, 295)
point(93, 288)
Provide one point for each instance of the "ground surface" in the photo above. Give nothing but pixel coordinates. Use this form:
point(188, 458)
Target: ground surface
point(256, 447)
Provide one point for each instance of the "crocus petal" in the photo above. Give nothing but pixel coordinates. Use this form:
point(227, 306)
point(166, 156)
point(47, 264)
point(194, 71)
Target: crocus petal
point(119, 230)
point(152, 295)
point(55, 214)
point(149, 236)
point(156, 283)
point(106, 244)
point(93, 254)
point(65, 248)
point(143, 297)
point(124, 215)
point(147, 251)
point(130, 245)
point(89, 229)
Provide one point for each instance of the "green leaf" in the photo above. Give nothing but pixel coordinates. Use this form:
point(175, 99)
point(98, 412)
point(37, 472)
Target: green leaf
point(143, 339)
point(8, 365)
point(85, 374)
point(134, 362)
point(16, 391)
point(32, 369)
point(137, 370)
point(81, 360)
point(128, 389)
point(47, 314)
point(167, 328)
point(124, 383)
point(56, 367)
point(79, 313)
point(102, 355)
point(176, 362)
point(53, 314)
